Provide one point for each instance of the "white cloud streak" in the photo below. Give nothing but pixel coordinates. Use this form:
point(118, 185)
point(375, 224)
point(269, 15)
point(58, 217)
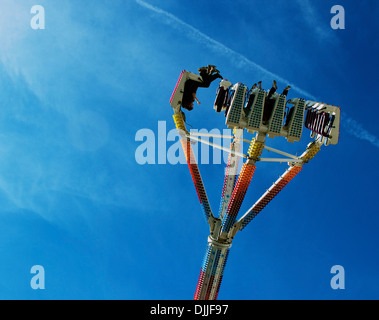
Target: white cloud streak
point(198, 36)
point(356, 129)
point(313, 19)
point(351, 126)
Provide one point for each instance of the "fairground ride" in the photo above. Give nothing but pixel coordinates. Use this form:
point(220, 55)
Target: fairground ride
point(265, 113)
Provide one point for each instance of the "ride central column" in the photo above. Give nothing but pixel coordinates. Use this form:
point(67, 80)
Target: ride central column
point(212, 270)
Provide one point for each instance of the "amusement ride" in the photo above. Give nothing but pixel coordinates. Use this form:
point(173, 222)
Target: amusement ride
point(264, 113)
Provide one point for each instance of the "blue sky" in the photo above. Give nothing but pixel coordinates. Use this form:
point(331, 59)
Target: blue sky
point(74, 200)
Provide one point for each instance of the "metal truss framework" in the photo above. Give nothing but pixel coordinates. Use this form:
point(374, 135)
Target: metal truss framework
point(224, 227)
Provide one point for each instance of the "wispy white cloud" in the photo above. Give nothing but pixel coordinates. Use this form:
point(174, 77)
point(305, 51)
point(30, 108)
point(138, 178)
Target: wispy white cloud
point(197, 35)
point(357, 130)
point(351, 126)
point(59, 90)
point(311, 16)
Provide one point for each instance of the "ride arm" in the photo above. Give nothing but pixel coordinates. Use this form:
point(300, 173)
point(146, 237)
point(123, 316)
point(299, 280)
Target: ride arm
point(312, 149)
point(241, 186)
point(231, 172)
point(193, 167)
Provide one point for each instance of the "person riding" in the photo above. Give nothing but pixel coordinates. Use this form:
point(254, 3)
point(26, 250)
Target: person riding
point(270, 101)
point(207, 76)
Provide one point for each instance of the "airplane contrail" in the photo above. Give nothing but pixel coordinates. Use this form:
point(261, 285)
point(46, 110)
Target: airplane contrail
point(221, 48)
point(352, 126)
point(356, 129)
